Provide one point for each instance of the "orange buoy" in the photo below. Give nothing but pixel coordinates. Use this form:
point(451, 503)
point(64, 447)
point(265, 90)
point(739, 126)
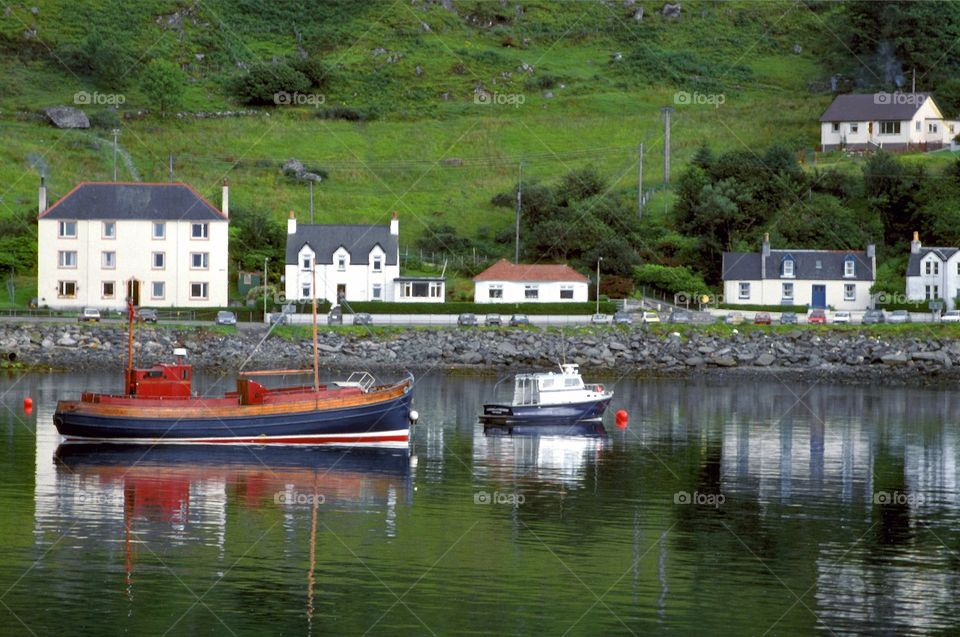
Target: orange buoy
point(28, 404)
point(622, 418)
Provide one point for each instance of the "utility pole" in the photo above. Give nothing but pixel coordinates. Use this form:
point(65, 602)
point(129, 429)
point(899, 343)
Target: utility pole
point(599, 259)
point(311, 201)
point(516, 257)
point(666, 143)
point(171, 166)
point(640, 186)
point(116, 133)
point(265, 259)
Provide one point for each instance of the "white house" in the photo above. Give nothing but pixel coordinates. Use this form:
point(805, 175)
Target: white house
point(161, 244)
point(933, 273)
point(351, 263)
point(505, 282)
point(840, 279)
point(891, 121)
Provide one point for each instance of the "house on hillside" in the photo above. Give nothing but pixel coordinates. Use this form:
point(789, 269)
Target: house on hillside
point(892, 121)
point(933, 273)
point(840, 279)
point(351, 263)
point(505, 282)
point(161, 244)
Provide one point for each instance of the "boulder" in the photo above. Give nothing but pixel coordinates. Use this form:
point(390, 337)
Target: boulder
point(764, 360)
point(671, 10)
point(67, 117)
point(897, 358)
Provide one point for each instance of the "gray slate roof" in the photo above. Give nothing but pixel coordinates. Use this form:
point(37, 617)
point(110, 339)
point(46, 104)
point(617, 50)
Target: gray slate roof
point(325, 239)
point(913, 265)
point(866, 107)
point(107, 200)
point(746, 266)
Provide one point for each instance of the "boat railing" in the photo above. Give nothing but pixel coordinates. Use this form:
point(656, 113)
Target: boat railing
point(364, 379)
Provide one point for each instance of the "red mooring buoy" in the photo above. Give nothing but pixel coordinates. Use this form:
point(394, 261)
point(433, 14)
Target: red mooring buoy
point(28, 404)
point(622, 418)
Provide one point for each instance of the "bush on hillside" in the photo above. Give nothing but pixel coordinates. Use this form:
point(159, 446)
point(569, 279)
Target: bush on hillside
point(260, 84)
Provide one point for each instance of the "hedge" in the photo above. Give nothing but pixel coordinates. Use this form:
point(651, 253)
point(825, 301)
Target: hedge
point(910, 306)
point(763, 308)
point(461, 307)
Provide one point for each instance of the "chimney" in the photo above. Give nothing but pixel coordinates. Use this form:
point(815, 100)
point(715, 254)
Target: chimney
point(225, 199)
point(871, 251)
point(915, 244)
point(394, 225)
point(766, 244)
point(764, 253)
point(42, 196)
point(292, 223)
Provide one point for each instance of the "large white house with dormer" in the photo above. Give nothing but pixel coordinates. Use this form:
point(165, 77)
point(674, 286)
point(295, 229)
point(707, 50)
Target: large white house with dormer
point(933, 273)
point(161, 244)
point(891, 121)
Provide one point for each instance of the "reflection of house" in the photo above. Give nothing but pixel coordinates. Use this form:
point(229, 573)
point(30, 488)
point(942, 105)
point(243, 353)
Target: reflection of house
point(351, 263)
point(885, 120)
point(504, 282)
point(818, 278)
point(167, 237)
point(933, 273)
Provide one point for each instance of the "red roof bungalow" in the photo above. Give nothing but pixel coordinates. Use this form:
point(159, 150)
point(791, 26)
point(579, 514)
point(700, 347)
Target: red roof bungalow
point(505, 282)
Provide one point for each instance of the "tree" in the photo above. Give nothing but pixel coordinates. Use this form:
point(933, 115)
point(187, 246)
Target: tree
point(163, 84)
point(261, 83)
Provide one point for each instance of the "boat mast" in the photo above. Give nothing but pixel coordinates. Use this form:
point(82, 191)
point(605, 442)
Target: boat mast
point(316, 355)
point(127, 383)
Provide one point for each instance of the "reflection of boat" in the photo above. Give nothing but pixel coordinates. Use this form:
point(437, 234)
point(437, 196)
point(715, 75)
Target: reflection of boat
point(582, 429)
point(158, 406)
point(549, 398)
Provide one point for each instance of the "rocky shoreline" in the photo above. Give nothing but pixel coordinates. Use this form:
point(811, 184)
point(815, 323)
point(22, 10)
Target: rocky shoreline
point(846, 356)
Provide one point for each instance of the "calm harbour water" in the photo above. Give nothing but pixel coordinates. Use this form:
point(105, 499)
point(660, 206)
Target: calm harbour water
point(726, 508)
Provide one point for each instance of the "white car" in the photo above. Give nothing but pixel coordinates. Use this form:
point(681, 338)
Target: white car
point(600, 319)
point(650, 317)
point(842, 317)
point(950, 316)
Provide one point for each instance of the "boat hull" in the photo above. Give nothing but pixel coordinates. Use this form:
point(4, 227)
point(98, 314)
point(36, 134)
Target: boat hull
point(368, 420)
point(500, 415)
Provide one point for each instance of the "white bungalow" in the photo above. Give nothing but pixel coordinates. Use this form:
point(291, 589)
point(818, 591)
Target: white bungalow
point(505, 282)
point(893, 121)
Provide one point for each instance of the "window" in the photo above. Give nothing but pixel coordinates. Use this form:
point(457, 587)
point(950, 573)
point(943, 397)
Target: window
point(836, 127)
point(66, 289)
point(849, 292)
point(435, 289)
point(788, 291)
point(932, 292)
point(788, 266)
point(198, 290)
point(849, 267)
point(377, 292)
point(200, 231)
point(341, 263)
point(158, 289)
point(819, 264)
point(108, 260)
point(159, 230)
point(67, 229)
point(933, 128)
point(495, 291)
point(67, 258)
point(108, 289)
point(889, 128)
point(200, 260)
point(306, 261)
point(744, 290)
point(157, 260)
point(531, 292)
point(932, 267)
point(854, 129)
point(566, 291)
point(109, 229)
point(305, 291)
point(377, 264)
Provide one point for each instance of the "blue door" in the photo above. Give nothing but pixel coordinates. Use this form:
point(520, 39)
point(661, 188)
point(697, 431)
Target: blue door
point(819, 299)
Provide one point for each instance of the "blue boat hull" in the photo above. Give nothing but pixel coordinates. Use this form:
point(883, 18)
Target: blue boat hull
point(495, 415)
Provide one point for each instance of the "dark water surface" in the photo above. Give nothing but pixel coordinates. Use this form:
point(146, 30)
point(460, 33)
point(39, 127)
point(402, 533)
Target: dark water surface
point(731, 508)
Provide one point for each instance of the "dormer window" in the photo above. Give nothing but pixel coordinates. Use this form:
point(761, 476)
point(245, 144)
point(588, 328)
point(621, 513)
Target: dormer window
point(306, 262)
point(819, 264)
point(849, 267)
point(787, 267)
point(341, 263)
point(932, 267)
point(377, 264)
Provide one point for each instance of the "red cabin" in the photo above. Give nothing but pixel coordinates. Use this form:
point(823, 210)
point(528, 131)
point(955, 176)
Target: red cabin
point(163, 380)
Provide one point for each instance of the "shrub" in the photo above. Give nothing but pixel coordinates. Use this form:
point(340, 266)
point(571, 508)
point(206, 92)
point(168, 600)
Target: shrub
point(346, 113)
point(672, 280)
point(459, 307)
point(259, 84)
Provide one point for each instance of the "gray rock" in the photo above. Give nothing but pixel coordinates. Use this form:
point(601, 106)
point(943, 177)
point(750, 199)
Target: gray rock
point(725, 361)
point(67, 341)
point(671, 10)
point(765, 360)
point(46, 343)
point(694, 361)
point(67, 117)
point(895, 359)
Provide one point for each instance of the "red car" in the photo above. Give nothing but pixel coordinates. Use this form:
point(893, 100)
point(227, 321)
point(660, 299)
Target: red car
point(817, 317)
point(762, 318)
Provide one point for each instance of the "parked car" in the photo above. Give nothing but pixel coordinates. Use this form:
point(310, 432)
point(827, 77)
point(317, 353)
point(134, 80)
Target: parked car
point(950, 316)
point(622, 318)
point(762, 318)
point(899, 316)
point(788, 318)
point(734, 318)
point(91, 314)
point(873, 316)
point(147, 315)
point(817, 317)
point(335, 317)
point(842, 318)
point(278, 318)
point(362, 318)
point(519, 319)
point(493, 320)
point(599, 319)
point(679, 316)
point(467, 320)
point(650, 317)
point(226, 318)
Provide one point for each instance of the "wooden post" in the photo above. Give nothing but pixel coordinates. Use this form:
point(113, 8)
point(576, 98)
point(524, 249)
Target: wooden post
point(316, 354)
